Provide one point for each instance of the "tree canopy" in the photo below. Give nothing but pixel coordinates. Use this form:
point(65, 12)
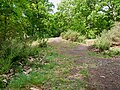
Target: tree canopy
point(88, 16)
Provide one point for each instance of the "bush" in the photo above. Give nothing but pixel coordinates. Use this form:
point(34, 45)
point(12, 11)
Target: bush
point(108, 38)
point(72, 36)
point(114, 33)
point(10, 52)
point(91, 34)
point(112, 53)
point(103, 42)
point(66, 35)
point(15, 51)
point(81, 39)
point(14, 56)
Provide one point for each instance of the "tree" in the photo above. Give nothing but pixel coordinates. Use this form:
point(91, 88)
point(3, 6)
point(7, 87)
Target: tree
point(88, 16)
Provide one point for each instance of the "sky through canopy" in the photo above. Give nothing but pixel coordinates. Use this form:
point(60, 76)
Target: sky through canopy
point(55, 2)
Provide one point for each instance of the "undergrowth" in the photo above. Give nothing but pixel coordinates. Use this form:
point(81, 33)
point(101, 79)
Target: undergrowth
point(42, 68)
point(108, 38)
point(73, 36)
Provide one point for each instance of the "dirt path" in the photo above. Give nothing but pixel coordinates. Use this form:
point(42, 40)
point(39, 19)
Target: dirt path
point(104, 72)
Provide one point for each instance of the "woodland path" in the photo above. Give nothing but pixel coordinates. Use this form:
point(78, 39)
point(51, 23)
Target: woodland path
point(104, 72)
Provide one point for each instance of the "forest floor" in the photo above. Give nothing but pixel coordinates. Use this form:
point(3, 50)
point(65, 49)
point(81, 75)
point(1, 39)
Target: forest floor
point(102, 73)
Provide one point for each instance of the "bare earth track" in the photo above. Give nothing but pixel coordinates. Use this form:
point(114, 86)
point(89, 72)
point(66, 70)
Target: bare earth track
point(104, 72)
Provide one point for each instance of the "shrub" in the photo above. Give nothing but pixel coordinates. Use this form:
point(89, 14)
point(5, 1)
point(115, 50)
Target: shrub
point(111, 53)
point(14, 55)
point(108, 38)
point(81, 39)
point(10, 52)
point(103, 42)
point(65, 35)
point(114, 33)
point(91, 34)
point(15, 51)
point(72, 36)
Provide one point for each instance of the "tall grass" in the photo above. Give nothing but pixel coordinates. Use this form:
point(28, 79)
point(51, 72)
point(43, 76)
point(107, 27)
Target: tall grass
point(108, 38)
point(73, 36)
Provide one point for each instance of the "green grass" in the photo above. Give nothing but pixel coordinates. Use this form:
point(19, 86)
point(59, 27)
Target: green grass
point(111, 53)
point(34, 78)
point(50, 70)
point(98, 55)
point(51, 75)
point(84, 72)
point(105, 54)
point(65, 84)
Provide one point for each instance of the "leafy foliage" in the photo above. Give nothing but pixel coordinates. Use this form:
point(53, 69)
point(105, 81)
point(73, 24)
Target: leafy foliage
point(21, 22)
point(25, 21)
point(89, 17)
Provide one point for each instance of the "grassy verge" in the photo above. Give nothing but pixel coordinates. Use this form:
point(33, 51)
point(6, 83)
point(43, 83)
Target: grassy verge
point(44, 70)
